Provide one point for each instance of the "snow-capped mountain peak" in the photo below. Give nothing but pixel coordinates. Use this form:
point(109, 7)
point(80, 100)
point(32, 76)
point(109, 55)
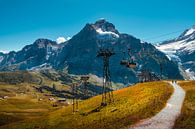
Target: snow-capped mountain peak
point(184, 43)
point(105, 30)
point(182, 50)
point(190, 31)
point(104, 33)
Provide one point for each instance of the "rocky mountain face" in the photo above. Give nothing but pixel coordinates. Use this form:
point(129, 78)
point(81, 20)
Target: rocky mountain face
point(36, 54)
point(79, 55)
point(182, 51)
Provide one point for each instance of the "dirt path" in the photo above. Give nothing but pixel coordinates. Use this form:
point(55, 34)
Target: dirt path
point(165, 119)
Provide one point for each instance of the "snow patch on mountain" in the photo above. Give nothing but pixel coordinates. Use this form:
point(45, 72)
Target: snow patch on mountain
point(173, 47)
point(179, 48)
point(170, 51)
point(191, 74)
point(55, 48)
point(142, 41)
point(189, 46)
point(42, 66)
point(1, 59)
point(105, 30)
point(47, 57)
point(106, 34)
point(168, 57)
point(190, 31)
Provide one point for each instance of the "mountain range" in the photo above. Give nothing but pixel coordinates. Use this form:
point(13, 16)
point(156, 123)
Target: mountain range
point(79, 54)
point(182, 51)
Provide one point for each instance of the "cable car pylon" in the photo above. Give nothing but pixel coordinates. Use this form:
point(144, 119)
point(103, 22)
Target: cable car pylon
point(107, 94)
point(84, 81)
point(75, 103)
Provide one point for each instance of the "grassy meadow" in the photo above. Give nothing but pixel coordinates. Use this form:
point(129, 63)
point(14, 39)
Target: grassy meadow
point(23, 103)
point(187, 118)
point(130, 105)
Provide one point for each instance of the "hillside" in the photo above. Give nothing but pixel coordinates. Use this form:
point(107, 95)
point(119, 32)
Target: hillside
point(27, 95)
point(186, 119)
point(49, 82)
point(131, 104)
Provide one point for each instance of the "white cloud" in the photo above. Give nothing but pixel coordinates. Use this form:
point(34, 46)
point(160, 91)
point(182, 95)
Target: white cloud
point(4, 51)
point(62, 39)
point(68, 38)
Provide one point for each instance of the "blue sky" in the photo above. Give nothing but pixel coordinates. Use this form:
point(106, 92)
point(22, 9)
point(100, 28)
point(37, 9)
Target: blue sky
point(23, 21)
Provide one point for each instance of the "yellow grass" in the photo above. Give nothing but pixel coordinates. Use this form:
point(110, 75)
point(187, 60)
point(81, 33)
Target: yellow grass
point(19, 108)
point(187, 117)
point(130, 105)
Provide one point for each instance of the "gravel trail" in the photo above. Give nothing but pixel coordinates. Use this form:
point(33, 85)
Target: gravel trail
point(165, 119)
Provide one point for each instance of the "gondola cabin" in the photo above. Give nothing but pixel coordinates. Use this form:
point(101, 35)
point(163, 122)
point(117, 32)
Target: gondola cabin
point(123, 62)
point(131, 65)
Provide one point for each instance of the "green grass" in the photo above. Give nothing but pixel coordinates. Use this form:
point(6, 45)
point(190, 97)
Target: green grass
point(187, 118)
point(22, 103)
point(130, 105)
point(22, 107)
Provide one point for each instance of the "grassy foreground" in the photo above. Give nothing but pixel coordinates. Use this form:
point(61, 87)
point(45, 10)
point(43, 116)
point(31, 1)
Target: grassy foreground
point(131, 105)
point(187, 118)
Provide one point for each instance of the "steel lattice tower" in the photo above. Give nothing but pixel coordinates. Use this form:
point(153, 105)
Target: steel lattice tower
point(75, 103)
point(84, 80)
point(107, 95)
